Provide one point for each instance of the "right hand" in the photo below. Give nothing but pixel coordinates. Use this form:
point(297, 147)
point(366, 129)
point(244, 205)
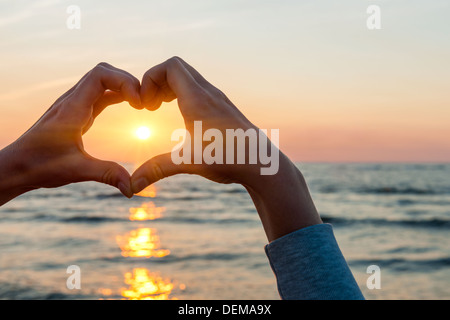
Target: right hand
point(282, 200)
point(198, 100)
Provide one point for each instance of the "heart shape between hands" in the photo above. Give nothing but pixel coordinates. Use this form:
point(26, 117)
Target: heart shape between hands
point(51, 153)
point(64, 159)
point(162, 83)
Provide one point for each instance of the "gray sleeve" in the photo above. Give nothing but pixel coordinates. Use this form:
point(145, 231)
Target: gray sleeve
point(308, 264)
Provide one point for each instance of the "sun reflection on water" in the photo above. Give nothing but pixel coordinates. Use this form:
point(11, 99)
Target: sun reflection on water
point(149, 192)
point(147, 211)
point(144, 285)
point(141, 243)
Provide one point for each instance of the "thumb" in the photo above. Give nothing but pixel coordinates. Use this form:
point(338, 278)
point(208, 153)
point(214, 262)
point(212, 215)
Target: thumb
point(108, 172)
point(155, 169)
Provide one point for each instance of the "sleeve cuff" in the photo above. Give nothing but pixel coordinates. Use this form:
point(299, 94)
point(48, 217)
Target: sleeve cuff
point(308, 264)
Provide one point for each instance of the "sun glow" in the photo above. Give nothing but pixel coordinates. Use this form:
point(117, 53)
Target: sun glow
point(141, 243)
point(143, 133)
point(144, 285)
point(147, 211)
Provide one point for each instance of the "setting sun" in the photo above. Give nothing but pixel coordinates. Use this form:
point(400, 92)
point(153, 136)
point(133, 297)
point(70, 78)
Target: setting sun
point(143, 133)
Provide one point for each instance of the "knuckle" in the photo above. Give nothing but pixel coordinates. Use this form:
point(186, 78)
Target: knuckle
point(55, 112)
point(175, 58)
point(108, 176)
point(100, 67)
point(68, 104)
point(213, 95)
point(147, 74)
point(103, 65)
point(218, 94)
point(136, 82)
point(203, 97)
point(174, 61)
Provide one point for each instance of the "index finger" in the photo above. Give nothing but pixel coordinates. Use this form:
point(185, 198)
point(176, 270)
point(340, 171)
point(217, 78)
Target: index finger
point(106, 77)
point(167, 81)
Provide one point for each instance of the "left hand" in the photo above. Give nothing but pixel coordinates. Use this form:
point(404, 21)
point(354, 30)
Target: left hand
point(51, 153)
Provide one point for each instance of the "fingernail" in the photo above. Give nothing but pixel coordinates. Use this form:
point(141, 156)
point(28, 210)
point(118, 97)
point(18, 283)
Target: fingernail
point(140, 184)
point(125, 190)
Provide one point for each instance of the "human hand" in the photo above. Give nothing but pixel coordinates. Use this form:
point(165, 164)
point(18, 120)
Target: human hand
point(51, 153)
point(282, 199)
point(198, 100)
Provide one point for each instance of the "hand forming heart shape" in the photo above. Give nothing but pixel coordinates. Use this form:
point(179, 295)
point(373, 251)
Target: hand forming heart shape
point(198, 100)
point(52, 152)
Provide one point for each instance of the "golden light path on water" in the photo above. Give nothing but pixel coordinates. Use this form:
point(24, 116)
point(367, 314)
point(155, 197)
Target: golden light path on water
point(144, 285)
point(143, 242)
point(147, 211)
point(149, 192)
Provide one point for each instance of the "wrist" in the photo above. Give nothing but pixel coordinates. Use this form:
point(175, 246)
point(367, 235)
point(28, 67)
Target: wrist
point(283, 201)
point(13, 173)
point(288, 176)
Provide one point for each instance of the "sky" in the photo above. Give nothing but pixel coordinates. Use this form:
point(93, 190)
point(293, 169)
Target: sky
point(337, 91)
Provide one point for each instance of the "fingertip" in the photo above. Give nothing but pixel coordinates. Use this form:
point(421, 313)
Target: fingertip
point(152, 107)
point(124, 181)
point(139, 184)
point(137, 104)
point(125, 189)
point(147, 102)
point(153, 104)
point(148, 92)
point(133, 96)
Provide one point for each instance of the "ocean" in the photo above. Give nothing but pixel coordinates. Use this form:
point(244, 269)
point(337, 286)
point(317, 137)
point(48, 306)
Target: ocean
point(189, 238)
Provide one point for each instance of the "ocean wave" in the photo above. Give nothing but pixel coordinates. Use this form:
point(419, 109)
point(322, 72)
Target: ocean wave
point(15, 291)
point(207, 220)
point(173, 257)
point(72, 219)
point(223, 256)
point(429, 223)
point(438, 223)
point(192, 197)
point(95, 219)
point(400, 264)
point(236, 190)
point(409, 250)
point(47, 195)
point(101, 196)
point(385, 190)
point(399, 190)
point(91, 219)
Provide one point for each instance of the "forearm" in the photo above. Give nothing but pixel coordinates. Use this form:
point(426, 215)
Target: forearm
point(12, 174)
point(303, 253)
point(283, 201)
